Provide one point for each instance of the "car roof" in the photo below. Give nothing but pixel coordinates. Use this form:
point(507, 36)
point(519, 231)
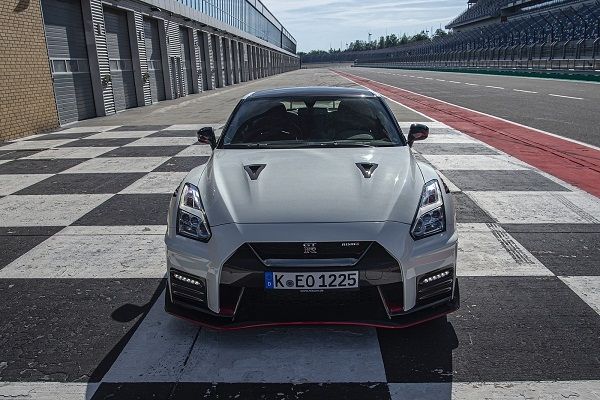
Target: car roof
point(312, 91)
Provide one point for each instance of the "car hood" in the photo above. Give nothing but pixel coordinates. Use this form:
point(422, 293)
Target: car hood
point(311, 185)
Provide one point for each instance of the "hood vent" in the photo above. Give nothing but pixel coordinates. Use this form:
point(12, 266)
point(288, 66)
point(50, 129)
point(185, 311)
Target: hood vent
point(254, 170)
point(367, 169)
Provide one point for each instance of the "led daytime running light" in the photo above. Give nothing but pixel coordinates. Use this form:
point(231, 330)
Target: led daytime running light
point(436, 277)
point(187, 280)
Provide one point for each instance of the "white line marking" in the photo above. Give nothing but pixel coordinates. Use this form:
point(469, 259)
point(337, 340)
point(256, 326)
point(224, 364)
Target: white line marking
point(89, 252)
point(487, 250)
point(47, 390)
point(524, 91)
point(565, 97)
point(586, 287)
point(478, 112)
point(440, 80)
point(495, 390)
point(554, 207)
point(471, 84)
point(429, 79)
point(393, 101)
point(454, 82)
point(494, 87)
point(474, 162)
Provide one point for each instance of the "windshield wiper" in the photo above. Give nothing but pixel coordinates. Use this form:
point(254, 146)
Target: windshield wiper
point(245, 145)
point(287, 144)
point(345, 144)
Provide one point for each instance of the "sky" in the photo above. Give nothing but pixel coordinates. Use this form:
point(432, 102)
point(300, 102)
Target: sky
point(319, 24)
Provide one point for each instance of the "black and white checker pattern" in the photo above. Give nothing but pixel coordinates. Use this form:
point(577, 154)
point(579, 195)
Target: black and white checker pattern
point(82, 215)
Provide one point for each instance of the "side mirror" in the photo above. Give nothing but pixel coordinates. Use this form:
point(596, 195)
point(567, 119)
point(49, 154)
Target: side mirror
point(417, 132)
point(207, 135)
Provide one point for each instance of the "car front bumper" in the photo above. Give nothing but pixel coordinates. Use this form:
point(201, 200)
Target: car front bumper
point(228, 285)
point(287, 317)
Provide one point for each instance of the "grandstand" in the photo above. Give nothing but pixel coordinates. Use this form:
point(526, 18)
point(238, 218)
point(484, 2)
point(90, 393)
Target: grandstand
point(534, 34)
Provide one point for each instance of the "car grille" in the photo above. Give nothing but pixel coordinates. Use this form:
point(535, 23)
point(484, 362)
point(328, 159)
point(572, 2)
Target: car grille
point(312, 250)
point(245, 268)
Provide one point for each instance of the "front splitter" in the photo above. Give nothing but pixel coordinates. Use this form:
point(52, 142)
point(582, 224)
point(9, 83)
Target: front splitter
point(407, 320)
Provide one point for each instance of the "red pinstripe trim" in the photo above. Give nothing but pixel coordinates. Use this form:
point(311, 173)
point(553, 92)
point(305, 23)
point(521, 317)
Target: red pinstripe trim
point(254, 325)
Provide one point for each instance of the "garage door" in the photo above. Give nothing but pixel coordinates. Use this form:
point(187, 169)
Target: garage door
point(204, 60)
point(224, 58)
point(153, 54)
point(119, 56)
point(68, 59)
point(216, 54)
point(184, 40)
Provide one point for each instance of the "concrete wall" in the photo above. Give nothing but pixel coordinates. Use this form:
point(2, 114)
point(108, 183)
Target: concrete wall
point(26, 95)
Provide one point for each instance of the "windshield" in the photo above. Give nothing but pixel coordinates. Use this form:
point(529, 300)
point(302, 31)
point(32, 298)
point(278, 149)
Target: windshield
point(312, 122)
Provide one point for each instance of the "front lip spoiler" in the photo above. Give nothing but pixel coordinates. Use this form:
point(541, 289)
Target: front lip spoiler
point(410, 319)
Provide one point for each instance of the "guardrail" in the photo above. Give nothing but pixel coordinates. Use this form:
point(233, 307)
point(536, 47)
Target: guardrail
point(561, 65)
point(583, 54)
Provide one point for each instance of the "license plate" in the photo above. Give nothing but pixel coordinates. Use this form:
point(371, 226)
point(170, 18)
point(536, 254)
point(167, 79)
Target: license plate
point(311, 280)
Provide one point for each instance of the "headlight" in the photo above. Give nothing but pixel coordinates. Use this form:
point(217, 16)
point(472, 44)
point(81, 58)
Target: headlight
point(191, 218)
point(430, 218)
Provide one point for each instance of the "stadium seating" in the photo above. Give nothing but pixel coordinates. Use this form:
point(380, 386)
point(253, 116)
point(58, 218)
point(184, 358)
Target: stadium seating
point(556, 29)
point(503, 33)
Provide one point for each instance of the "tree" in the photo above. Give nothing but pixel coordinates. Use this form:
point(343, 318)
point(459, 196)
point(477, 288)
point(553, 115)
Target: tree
point(419, 37)
point(358, 45)
point(404, 39)
point(439, 33)
point(381, 44)
point(391, 40)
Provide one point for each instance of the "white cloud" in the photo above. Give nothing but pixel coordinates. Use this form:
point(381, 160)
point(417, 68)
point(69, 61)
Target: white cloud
point(318, 24)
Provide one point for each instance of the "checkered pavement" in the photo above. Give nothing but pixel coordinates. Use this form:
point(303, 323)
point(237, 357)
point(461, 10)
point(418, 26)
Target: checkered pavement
point(82, 214)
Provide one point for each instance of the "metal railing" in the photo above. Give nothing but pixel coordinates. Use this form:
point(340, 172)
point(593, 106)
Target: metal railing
point(581, 55)
point(570, 65)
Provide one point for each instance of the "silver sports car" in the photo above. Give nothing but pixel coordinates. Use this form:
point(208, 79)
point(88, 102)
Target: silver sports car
point(312, 209)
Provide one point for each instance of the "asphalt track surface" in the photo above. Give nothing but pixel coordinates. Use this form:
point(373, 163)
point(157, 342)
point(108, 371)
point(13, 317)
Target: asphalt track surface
point(564, 107)
point(82, 214)
point(572, 161)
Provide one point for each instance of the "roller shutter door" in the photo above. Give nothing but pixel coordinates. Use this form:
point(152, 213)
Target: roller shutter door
point(184, 41)
point(225, 61)
point(119, 55)
point(216, 54)
point(153, 54)
point(67, 51)
point(221, 54)
point(204, 61)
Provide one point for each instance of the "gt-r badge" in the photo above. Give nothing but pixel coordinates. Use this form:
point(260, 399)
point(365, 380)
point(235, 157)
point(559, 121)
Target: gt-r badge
point(310, 248)
point(348, 244)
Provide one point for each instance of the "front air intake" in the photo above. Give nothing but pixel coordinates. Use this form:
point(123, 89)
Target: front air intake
point(367, 169)
point(188, 289)
point(435, 286)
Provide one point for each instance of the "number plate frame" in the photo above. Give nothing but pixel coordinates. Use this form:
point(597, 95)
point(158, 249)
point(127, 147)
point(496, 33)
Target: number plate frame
point(311, 280)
